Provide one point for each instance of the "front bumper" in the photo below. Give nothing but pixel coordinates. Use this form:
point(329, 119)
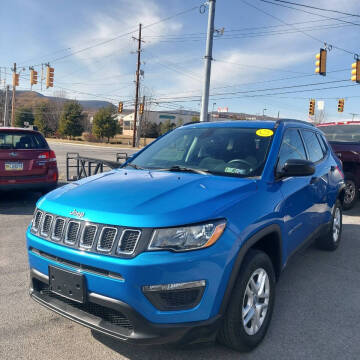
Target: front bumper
point(117, 319)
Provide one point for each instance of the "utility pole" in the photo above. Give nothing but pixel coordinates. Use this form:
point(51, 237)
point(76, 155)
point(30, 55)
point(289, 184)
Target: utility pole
point(353, 115)
point(6, 104)
point(138, 135)
point(208, 59)
point(137, 84)
point(13, 100)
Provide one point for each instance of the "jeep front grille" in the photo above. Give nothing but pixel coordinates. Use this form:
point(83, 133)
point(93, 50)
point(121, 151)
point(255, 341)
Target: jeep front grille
point(58, 228)
point(107, 239)
point(72, 232)
point(87, 236)
point(46, 225)
point(37, 219)
point(128, 241)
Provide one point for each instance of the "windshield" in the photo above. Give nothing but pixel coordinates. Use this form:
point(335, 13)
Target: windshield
point(222, 151)
point(343, 133)
point(21, 140)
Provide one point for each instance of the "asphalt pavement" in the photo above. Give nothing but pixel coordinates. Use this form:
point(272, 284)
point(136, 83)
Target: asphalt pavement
point(316, 313)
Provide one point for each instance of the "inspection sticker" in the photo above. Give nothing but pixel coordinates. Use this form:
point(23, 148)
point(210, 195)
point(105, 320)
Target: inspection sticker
point(264, 132)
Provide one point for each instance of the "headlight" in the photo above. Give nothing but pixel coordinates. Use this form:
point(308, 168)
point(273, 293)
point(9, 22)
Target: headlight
point(187, 237)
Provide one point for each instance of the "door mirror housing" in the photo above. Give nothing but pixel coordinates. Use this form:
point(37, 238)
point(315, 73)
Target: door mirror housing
point(296, 167)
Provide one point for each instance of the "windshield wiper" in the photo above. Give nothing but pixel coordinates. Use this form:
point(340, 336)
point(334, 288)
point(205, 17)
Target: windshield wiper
point(178, 168)
point(137, 167)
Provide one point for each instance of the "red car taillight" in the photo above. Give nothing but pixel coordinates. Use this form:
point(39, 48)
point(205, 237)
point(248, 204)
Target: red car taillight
point(49, 156)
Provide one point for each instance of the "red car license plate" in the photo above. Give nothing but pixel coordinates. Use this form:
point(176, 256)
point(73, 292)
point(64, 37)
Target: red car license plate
point(14, 166)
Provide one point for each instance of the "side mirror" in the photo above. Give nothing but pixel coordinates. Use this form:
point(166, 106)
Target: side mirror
point(296, 167)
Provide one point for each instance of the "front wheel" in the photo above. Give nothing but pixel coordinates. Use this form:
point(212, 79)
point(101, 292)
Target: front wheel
point(251, 305)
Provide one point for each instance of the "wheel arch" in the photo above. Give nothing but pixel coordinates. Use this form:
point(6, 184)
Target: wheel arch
point(263, 240)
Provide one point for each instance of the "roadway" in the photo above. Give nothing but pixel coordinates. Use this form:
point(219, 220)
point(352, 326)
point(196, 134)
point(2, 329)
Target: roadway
point(316, 314)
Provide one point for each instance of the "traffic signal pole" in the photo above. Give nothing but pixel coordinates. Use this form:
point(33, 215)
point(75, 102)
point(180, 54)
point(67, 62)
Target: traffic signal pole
point(13, 100)
point(208, 59)
point(137, 85)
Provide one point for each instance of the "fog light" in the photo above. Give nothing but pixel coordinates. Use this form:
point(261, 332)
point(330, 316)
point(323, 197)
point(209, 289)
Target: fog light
point(178, 296)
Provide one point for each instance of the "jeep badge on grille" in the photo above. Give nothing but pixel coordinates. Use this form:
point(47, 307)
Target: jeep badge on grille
point(76, 213)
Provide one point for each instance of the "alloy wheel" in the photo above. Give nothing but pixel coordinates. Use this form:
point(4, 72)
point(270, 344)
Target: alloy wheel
point(256, 301)
point(350, 192)
point(336, 224)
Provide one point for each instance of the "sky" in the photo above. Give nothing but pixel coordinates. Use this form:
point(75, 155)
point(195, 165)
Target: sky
point(264, 62)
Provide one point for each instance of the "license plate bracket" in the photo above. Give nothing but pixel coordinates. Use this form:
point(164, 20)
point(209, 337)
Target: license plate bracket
point(14, 166)
point(68, 284)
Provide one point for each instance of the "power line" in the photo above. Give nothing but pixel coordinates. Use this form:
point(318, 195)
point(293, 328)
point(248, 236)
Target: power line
point(122, 35)
point(303, 32)
point(317, 8)
point(311, 13)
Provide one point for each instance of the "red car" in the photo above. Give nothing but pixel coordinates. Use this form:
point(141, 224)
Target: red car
point(26, 161)
point(344, 137)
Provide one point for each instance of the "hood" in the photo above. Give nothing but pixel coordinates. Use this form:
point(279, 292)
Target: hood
point(141, 198)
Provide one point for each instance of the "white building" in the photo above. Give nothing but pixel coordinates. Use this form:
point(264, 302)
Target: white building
point(157, 117)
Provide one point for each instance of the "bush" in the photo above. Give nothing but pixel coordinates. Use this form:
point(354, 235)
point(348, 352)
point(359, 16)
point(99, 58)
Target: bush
point(89, 137)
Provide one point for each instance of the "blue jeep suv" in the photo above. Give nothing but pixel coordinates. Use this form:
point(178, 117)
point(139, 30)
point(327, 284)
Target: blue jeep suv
point(187, 239)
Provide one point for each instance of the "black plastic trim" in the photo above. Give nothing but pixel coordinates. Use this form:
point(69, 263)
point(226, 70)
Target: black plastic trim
point(241, 254)
point(144, 332)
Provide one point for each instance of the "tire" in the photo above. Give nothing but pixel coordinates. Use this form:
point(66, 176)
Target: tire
point(235, 331)
point(351, 192)
point(331, 239)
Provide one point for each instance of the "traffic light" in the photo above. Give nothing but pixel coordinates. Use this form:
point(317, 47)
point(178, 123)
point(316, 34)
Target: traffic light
point(49, 77)
point(15, 79)
point(355, 72)
point(312, 107)
point(321, 62)
point(120, 107)
point(33, 77)
point(341, 105)
point(141, 110)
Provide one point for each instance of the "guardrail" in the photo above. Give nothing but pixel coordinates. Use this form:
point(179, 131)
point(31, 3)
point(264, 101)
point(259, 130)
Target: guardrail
point(86, 166)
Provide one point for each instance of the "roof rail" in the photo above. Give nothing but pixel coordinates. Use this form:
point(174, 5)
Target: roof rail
point(278, 122)
point(191, 123)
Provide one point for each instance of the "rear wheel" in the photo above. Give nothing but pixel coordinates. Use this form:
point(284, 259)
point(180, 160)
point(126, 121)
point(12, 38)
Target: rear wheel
point(351, 192)
point(250, 309)
point(331, 239)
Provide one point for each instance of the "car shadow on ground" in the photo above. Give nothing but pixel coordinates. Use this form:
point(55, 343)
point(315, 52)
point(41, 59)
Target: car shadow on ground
point(141, 352)
point(355, 211)
point(19, 202)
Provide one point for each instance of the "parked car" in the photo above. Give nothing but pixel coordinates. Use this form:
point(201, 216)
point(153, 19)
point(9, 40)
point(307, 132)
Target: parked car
point(187, 239)
point(26, 161)
point(344, 137)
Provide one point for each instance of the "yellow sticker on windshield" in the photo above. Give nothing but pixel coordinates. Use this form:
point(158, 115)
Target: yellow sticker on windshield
point(264, 132)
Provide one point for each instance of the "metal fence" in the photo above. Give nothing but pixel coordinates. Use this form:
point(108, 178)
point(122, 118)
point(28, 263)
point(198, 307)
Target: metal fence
point(78, 167)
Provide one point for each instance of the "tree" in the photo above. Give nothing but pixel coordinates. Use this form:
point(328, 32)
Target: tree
point(180, 122)
point(104, 124)
point(195, 119)
point(71, 119)
point(24, 114)
point(44, 119)
point(166, 126)
point(150, 130)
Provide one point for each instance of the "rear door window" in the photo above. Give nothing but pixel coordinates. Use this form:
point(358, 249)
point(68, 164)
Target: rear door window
point(315, 151)
point(22, 141)
point(292, 147)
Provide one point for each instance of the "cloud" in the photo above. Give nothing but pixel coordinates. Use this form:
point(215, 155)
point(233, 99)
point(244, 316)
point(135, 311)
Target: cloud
point(125, 18)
